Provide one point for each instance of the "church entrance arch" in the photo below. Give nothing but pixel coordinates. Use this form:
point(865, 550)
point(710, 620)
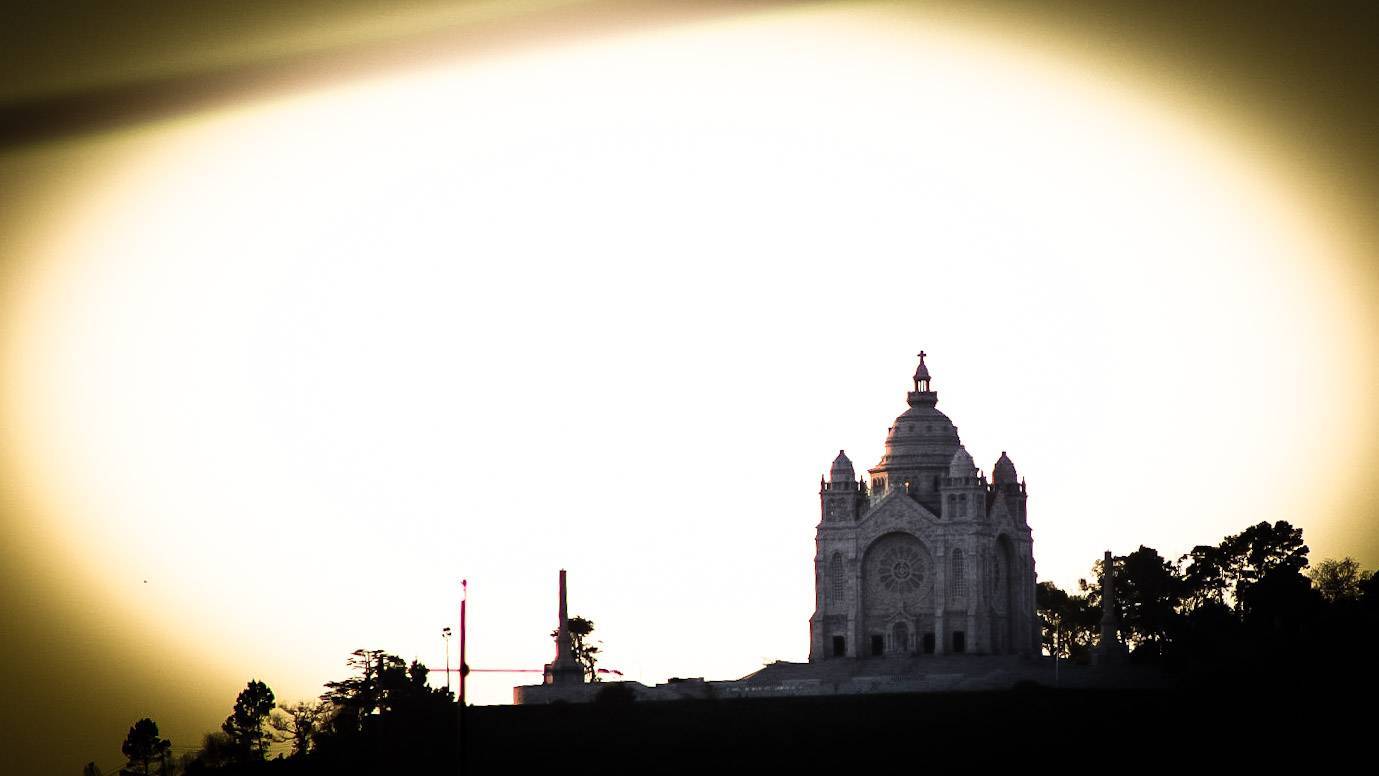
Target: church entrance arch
point(897, 584)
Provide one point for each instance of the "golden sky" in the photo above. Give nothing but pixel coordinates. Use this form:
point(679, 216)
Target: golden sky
point(308, 314)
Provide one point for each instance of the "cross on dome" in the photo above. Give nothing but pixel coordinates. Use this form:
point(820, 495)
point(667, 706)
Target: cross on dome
point(922, 379)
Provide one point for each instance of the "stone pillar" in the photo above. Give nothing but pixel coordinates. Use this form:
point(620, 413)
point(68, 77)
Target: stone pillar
point(820, 617)
point(1020, 621)
point(564, 669)
point(940, 598)
point(1110, 649)
point(975, 598)
point(856, 620)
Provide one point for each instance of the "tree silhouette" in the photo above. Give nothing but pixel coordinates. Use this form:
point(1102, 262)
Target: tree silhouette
point(1263, 549)
point(298, 723)
point(142, 746)
point(384, 718)
point(586, 652)
point(245, 724)
point(382, 683)
point(216, 752)
point(359, 695)
point(1224, 573)
point(1339, 580)
point(1149, 591)
point(1069, 622)
point(1238, 611)
point(1207, 579)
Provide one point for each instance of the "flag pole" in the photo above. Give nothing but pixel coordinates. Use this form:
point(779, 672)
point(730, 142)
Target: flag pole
point(462, 750)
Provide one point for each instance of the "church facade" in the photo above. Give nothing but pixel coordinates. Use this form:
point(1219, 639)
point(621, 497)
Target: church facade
point(924, 556)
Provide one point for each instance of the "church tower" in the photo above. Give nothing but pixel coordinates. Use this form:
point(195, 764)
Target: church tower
point(928, 557)
point(841, 497)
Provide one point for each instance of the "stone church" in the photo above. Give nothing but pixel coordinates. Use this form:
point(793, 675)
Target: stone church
point(924, 569)
point(924, 556)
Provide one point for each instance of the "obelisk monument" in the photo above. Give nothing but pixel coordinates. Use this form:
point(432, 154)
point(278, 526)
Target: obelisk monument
point(1110, 649)
point(564, 669)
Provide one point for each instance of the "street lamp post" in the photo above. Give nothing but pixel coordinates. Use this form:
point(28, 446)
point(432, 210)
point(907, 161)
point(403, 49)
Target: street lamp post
point(1057, 646)
point(445, 637)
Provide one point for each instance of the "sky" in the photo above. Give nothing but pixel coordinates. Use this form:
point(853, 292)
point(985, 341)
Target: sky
point(308, 314)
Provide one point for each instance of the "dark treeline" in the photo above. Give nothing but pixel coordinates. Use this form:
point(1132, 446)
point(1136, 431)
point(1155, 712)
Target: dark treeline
point(1247, 610)
point(1247, 622)
point(382, 718)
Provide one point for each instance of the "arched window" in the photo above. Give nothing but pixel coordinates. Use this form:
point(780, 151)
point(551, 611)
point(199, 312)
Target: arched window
point(962, 505)
point(958, 575)
point(837, 581)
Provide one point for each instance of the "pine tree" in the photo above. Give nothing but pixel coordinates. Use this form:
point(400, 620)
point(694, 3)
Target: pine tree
point(245, 725)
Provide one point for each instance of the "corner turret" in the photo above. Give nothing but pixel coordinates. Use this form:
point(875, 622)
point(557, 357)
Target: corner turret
point(962, 491)
point(1003, 472)
point(841, 496)
point(1007, 486)
point(842, 469)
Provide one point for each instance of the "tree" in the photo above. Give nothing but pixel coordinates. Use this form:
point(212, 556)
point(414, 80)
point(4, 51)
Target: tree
point(360, 694)
point(382, 683)
point(1205, 581)
point(1069, 622)
point(216, 752)
point(245, 724)
point(354, 698)
point(385, 711)
point(585, 651)
point(1149, 592)
point(1263, 549)
point(1339, 580)
point(1266, 563)
point(142, 746)
point(1224, 573)
point(298, 722)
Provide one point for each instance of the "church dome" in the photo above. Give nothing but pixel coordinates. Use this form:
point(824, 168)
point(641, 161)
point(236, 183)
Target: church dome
point(962, 464)
point(924, 434)
point(1004, 471)
point(842, 469)
point(921, 444)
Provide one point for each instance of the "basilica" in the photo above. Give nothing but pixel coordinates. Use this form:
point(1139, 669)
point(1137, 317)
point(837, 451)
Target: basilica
point(923, 581)
point(924, 556)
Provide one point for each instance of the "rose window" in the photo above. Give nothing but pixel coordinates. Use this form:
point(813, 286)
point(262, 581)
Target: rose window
point(901, 570)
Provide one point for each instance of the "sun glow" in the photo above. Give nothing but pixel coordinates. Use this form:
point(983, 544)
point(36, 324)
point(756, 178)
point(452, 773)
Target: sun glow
point(613, 306)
